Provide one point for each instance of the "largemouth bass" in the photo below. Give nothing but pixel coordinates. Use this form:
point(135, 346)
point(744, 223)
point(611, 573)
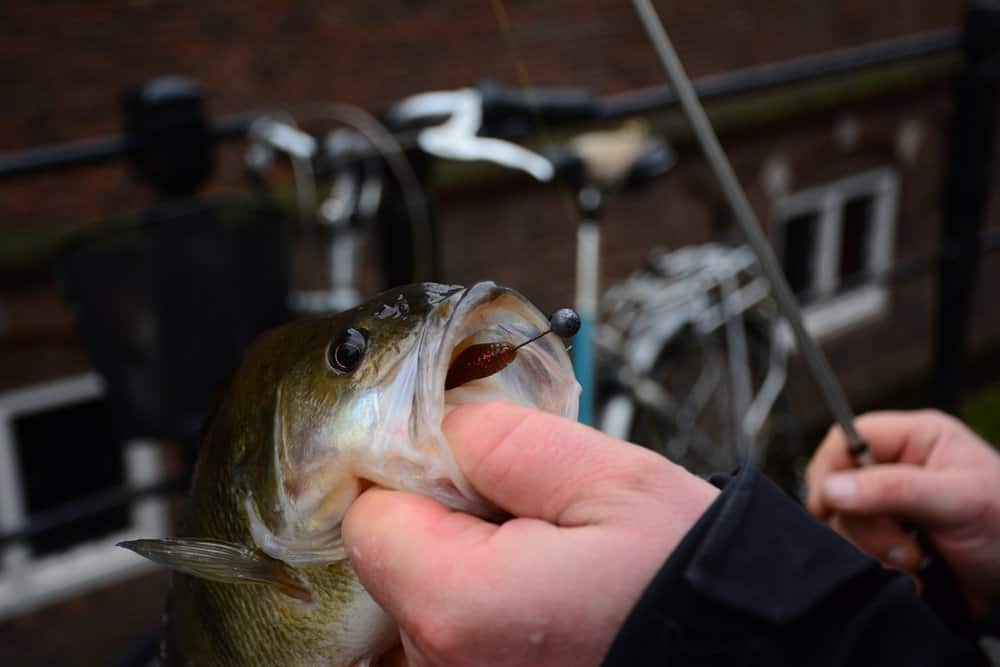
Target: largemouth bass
point(319, 409)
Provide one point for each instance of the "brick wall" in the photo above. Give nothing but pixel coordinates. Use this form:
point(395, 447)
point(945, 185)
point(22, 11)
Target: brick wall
point(64, 64)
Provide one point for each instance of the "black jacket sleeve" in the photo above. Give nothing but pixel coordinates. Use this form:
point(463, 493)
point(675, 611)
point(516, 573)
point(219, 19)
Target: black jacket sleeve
point(757, 581)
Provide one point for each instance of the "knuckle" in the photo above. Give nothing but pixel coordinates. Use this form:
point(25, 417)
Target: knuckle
point(636, 474)
point(601, 493)
point(437, 636)
point(494, 461)
point(942, 420)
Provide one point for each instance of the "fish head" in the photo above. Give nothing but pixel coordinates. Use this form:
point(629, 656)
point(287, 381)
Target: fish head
point(359, 399)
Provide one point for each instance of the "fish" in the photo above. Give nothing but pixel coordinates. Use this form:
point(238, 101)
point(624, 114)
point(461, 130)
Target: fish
point(318, 410)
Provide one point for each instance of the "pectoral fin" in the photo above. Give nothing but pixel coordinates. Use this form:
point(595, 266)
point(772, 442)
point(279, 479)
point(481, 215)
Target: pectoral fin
point(217, 560)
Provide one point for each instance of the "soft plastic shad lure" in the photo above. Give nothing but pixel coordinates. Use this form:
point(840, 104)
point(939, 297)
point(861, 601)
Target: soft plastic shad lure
point(485, 359)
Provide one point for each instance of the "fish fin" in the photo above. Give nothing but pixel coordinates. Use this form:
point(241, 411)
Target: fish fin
point(295, 551)
point(217, 560)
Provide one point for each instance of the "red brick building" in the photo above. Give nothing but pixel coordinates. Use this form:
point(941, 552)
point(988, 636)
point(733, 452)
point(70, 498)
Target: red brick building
point(872, 138)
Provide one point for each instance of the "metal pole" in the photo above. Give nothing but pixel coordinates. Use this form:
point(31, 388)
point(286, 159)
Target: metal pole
point(965, 198)
point(740, 205)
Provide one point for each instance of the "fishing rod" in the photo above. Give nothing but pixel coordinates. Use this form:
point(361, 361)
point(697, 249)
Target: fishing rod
point(940, 586)
point(733, 192)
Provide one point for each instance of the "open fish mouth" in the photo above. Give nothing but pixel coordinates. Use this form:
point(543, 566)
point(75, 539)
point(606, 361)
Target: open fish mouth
point(540, 376)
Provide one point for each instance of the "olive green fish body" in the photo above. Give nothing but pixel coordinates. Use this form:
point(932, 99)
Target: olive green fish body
point(318, 409)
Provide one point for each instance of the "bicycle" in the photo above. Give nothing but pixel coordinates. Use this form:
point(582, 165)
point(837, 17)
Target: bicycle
point(454, 125)
point(592, 164)
point(350, 160)
point(692, 358)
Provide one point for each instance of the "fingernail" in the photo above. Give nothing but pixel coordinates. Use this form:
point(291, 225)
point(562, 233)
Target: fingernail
point(899, 556)
point(840, 487)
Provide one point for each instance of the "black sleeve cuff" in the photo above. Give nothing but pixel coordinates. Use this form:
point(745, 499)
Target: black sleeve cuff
point(758, 581)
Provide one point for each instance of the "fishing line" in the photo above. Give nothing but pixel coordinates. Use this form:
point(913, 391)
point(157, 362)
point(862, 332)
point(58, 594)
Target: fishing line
point(499, 7)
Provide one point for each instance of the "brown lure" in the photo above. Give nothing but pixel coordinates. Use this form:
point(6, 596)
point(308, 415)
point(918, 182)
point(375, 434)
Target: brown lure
point(479, 361)
point(485, 359)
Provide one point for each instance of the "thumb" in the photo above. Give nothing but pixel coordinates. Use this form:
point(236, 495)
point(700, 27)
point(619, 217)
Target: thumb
point(402, 547)
point(931, 499)
point(535, 464)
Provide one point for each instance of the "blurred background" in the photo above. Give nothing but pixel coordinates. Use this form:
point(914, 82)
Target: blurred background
point(176, 178)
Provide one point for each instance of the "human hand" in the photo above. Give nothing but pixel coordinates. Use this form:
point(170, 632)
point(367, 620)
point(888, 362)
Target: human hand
point(595, 518)
point(932, 473)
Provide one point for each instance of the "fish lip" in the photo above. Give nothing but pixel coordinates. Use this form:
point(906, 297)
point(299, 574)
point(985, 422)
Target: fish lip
point(448, 325)
point(437, 339)
point(436, 348)
point(541, 378)
point(454, 321)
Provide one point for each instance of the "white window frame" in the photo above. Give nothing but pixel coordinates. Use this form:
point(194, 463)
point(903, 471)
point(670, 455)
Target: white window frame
point(28, 582)
point(834, 311)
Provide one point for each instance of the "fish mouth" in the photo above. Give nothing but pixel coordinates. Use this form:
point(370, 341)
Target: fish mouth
point(540, 376)
point(406, 448)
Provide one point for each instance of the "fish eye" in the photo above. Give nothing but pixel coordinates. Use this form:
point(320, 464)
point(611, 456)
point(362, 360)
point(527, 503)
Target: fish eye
point(348, 350)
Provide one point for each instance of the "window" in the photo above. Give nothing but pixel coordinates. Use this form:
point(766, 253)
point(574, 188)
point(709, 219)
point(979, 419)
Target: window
point(835, 242)
point(57, 446)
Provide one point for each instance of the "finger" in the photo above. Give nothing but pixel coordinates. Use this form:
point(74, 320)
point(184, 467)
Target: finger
point(393, 539)
point(534, 464)
point(905, 437)
point(932, 499)
point(880, 537)
point(832, 455)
